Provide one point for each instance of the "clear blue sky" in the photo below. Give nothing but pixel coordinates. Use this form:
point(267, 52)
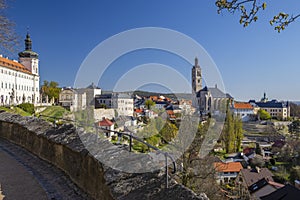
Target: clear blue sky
point(251, 61)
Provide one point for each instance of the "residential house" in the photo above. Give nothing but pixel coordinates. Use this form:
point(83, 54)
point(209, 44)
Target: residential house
point(244, 110)
point(107, 125)
point(255, 183)
point(227, 172)
point(125, 121)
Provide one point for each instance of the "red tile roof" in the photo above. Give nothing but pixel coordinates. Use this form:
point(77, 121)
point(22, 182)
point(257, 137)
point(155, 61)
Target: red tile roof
point(138, 110)
point(13, 65)
point(241, 105)
point(228, 167)
point(105, 122)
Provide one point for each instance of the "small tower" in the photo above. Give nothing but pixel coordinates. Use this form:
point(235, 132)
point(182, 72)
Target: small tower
point(29, 58)
point(196, 77)
point(264, 99)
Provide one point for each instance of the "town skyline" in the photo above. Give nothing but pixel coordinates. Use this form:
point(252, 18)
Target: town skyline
point(251, 60)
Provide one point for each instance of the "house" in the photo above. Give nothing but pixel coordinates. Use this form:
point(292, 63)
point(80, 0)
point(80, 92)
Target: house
point(107, 125)
point(171, 115)
point(255, 183)
point(288, 192)
point(125, 121)
point(263, 187)
point(227, 172)
point(244, 110)
point(139, 112)
point(150, 114)
point(161, 104)
point(76, 99)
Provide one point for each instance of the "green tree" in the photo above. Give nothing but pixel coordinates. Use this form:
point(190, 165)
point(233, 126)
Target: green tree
point(238, 132)
point(232, 133)
point(51, 90)
point(249, 9)
point(8, 37)
point(258, 149)
point(263, 115)
point(228, 133)
point(149, 103)
point(169, 131)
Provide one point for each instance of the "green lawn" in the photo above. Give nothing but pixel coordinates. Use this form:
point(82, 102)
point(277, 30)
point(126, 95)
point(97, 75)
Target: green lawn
point(54, 112)
point(15, 110)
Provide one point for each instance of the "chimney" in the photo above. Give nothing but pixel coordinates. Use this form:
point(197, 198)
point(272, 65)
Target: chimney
point(257, 169)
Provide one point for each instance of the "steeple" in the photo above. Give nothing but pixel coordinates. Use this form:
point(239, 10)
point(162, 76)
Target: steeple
point(196, 77)
point(28, 43)
point(29, 58)
point(28, 53)
point(196, 62)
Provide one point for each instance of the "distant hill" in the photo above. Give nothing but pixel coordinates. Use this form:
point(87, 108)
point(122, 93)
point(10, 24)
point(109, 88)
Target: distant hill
point(296, 102)
point(178, 96)
point(142, 93)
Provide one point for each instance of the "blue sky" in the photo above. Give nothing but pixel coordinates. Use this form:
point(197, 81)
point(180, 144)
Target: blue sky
point(251, 60)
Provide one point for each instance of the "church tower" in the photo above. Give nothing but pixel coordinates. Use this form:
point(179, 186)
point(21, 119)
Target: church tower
point(29, 58)
point(196, 77)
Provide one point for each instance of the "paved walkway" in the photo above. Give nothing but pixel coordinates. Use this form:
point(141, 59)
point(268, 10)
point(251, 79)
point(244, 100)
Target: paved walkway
point(16, 181)
point(24, 176)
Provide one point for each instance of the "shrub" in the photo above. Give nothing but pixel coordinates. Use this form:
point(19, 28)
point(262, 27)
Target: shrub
point(27, 107)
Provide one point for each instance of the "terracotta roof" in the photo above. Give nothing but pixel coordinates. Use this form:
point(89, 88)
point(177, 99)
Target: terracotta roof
point(241, 105)
point(105, 122)
point(228, 167)
point(170, 112)
point(13, 65)
point(138, 110)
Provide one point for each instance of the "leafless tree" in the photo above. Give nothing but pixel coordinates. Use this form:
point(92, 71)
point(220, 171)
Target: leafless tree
point(8, 36)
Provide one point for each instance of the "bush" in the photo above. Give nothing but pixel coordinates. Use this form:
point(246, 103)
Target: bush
point(27, 107)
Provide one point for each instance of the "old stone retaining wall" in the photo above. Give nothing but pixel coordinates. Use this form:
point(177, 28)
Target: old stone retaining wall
point(63, 148)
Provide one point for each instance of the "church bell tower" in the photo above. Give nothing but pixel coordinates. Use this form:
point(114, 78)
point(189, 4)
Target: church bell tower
point(196, 77)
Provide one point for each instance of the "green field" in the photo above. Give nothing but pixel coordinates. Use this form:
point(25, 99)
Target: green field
point(15, 110)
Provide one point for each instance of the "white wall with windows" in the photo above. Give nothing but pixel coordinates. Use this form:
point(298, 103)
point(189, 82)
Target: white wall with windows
point(17, 85)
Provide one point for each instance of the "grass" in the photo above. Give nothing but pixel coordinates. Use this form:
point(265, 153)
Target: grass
point(15, 110)
point(54, 112)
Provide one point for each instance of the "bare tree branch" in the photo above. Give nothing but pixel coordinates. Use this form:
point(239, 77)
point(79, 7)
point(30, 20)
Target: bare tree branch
point(8, 37)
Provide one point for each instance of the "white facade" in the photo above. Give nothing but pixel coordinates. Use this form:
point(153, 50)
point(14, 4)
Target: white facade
point(20, 80)
point(121, 102)
point(18, 85)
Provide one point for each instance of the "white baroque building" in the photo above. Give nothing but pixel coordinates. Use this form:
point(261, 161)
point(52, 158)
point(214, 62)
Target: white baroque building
point(19, 80)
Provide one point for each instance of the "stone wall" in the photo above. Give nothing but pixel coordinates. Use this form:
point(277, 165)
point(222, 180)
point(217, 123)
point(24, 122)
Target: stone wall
point(63, 148)
point(101, 112)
